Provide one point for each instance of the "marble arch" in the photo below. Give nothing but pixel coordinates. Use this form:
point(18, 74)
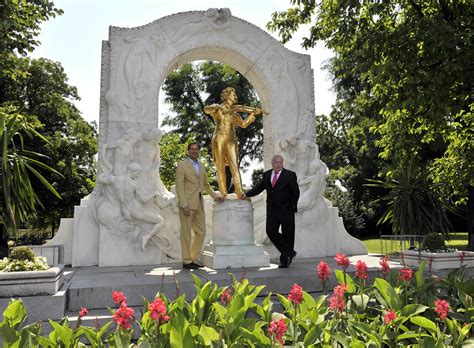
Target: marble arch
point(135, 62)
point(131, 218)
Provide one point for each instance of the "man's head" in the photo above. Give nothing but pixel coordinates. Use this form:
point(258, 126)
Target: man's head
point(193, 151)
point(277, 163)
point(228, 94)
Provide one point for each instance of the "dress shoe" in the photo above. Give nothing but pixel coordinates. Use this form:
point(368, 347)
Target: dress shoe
point(198, 265)
point(283, 265)
point(290, 258)
point(190, 266)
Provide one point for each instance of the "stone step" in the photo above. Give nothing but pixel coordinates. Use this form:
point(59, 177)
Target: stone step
point(92, 287)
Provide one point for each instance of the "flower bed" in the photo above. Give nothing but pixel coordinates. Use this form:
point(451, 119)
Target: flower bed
point(400, 309)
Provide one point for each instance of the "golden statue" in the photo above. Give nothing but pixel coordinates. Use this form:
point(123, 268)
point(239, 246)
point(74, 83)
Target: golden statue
point(224, 141)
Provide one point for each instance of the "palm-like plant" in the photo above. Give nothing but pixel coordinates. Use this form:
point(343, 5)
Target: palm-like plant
point(18, 199)
point(413, 208)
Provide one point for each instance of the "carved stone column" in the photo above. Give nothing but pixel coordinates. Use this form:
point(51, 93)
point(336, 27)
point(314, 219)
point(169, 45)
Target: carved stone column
point(233, 243)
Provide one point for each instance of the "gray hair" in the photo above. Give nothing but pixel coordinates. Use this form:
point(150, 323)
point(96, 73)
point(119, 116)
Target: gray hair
point(277, 156)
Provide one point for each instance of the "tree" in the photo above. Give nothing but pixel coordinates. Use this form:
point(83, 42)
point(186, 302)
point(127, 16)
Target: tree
point(17, 164)
point(19, 26)
point(407, 67)
point(173, 150)
point(43, 91)
point(193, 86)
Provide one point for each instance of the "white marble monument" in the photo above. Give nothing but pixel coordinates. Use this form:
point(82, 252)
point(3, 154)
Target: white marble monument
point(131, 218)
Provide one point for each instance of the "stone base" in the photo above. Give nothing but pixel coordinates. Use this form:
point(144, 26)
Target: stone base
point(31, 283)
point(235, 256)
point(439, 261)
point(233, 242)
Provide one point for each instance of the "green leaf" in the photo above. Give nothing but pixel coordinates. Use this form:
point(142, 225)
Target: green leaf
point(413, 309)
point(425, 323)
point(388, 293)
point(9, 334)
point(208, 334)
point(345, 278)
point(15, 313)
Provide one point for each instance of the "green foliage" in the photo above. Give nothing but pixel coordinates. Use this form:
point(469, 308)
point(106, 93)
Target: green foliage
point(348, 209)
point(434, 242)
point(44, 94)
point(402, 75)
point(19, 199)
point(413, 208)
point(173, 149)
point(22, 253)
point(193, 86)
point(39, 263)
point(208, 321)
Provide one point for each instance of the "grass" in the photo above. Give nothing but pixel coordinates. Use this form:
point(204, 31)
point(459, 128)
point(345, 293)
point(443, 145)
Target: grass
point(377, 246)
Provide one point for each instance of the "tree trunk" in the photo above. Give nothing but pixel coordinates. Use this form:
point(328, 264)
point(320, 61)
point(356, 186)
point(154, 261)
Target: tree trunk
point(3, 242)
point(53, 227)
point(470, 218)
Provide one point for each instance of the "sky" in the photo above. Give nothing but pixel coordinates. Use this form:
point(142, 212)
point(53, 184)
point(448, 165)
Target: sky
point(75, 38)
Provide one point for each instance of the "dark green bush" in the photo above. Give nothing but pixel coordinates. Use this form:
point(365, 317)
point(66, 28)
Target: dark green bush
point(22, 253)
point(434, 242)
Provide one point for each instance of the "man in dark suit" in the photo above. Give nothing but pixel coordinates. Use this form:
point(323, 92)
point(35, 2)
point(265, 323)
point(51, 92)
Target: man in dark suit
point(282, 201)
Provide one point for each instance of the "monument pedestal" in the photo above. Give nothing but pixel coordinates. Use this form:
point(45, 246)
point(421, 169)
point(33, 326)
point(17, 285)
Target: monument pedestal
point(233, 243)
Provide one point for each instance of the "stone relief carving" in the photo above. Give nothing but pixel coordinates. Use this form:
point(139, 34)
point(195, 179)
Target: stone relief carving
point(131, 93)
point(211, 20)
point(130, 200)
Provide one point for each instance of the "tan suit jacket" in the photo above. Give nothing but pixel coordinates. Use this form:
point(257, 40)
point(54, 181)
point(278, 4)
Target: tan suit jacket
point(189, 185)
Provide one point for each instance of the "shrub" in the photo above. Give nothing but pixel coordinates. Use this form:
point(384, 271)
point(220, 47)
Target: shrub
point(22, 253)
point(22, 259)
point(434, 242)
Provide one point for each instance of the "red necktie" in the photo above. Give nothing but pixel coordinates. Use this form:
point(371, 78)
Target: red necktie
point(275, 178)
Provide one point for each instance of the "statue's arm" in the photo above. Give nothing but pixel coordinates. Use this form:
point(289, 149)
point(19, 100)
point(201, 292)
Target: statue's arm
point(238, 120)
point(211, 109)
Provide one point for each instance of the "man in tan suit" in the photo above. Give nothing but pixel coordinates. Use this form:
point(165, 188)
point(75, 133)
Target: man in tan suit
point(191, 181)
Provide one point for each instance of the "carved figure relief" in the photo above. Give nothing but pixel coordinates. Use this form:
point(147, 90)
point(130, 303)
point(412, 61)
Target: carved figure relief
point(130, 200)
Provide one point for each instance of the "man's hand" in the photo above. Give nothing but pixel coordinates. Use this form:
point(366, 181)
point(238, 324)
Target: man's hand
point(186, 211)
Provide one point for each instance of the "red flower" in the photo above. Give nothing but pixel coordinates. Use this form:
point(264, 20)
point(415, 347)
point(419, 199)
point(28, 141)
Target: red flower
point(158, 310)
point(405, 274)
point(277, 329)
point(124, 316)
point(361, 270)
point(118, 297)
point(83, 312)
point(384, 266)
point(296, 294)
point(442, 308)
point(390, 316)
point(225, 297)
point(342, 260)
point(324, 271)
point(336, 302)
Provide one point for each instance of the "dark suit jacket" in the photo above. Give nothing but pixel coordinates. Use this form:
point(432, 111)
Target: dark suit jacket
point(283, 198)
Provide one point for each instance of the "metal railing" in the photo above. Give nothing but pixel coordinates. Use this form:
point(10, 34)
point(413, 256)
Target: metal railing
point(53, 253)
point(390, 244)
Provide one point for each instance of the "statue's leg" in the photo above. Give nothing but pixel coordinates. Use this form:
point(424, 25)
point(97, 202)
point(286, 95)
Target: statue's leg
point(232, 150)
point(218, 147)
